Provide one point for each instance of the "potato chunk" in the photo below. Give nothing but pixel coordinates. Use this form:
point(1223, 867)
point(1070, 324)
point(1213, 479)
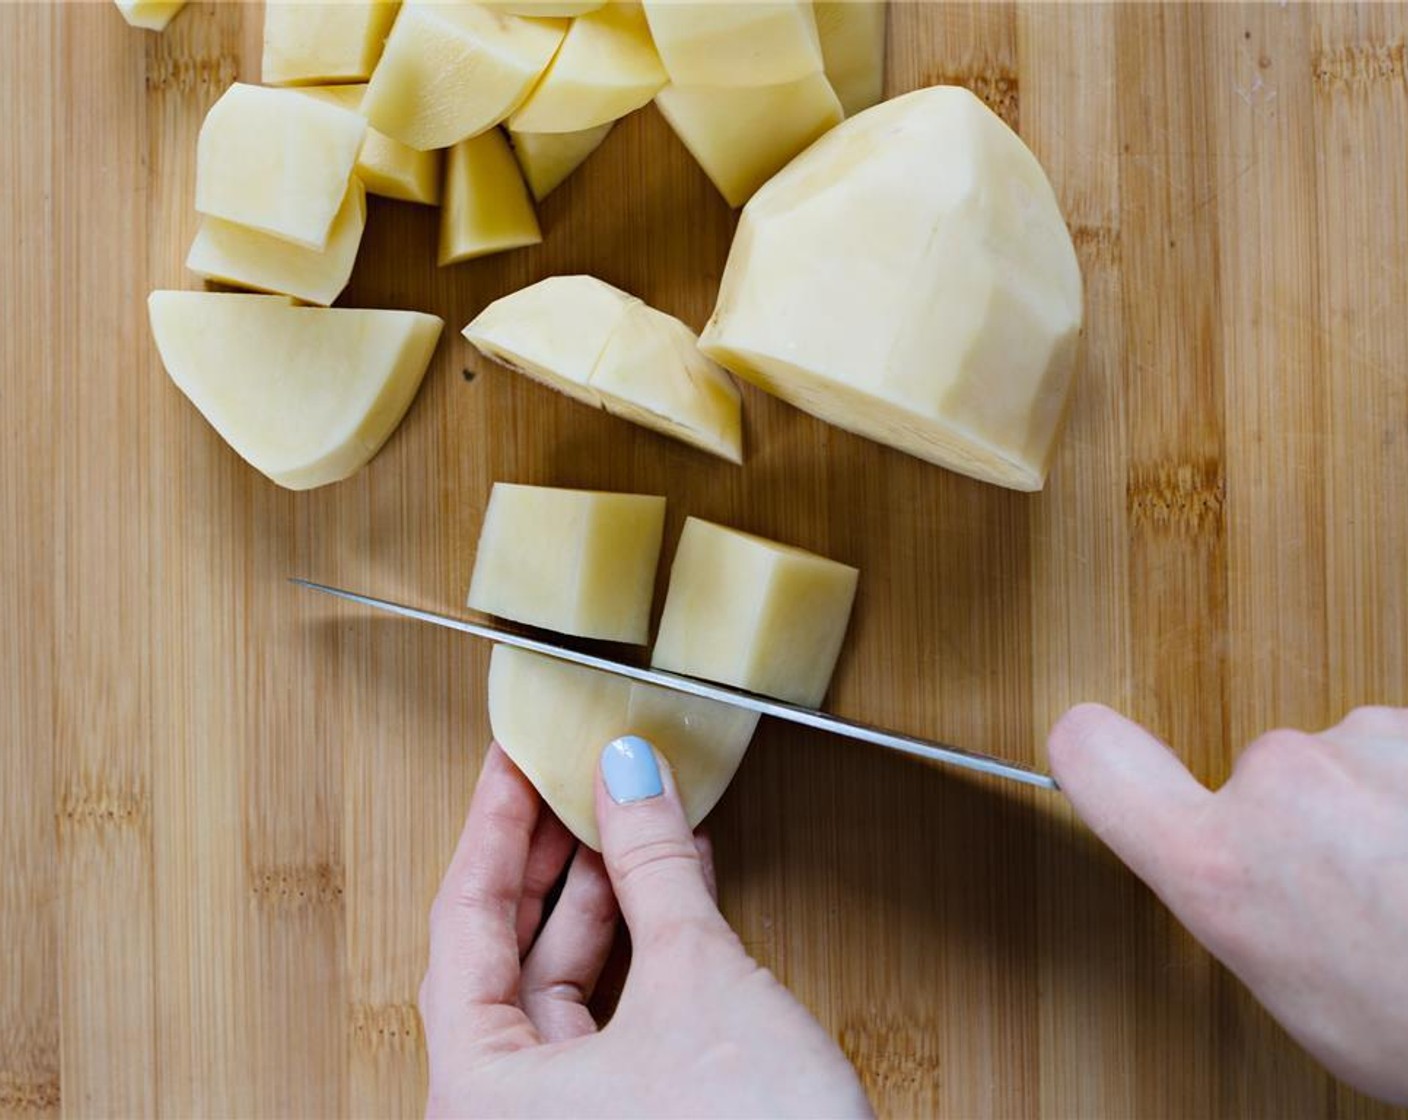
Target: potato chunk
point(307, 395)
point(485, 206)
point(910, 278)
point(311, 41)
point(386, 167)
point(543, 7)
point(247, 258)
point(742, 43)
point(553, 719)
point(576, 561)
point(452, 70)
point(150, 15)
point(605, 68)
point(751, 613)
point(547, 158)
point(853, 44)
point(276, 161)
point(742, 137)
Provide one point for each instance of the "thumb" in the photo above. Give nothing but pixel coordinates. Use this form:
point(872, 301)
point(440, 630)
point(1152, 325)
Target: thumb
point(649, 850)
point(1129, 788)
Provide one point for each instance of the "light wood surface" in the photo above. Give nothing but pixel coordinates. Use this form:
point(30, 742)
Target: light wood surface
point(225, 804)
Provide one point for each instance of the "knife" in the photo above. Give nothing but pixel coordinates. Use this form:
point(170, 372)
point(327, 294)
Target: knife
point(778, 709)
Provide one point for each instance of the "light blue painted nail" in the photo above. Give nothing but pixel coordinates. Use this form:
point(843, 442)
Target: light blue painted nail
point(629, 768)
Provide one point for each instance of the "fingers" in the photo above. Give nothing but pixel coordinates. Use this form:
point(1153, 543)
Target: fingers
point(648, 848)
point(548, 853)
point(705, 847)
point(561, 971)
point(1128, 787)
point(471, 984)
point(1372, 723)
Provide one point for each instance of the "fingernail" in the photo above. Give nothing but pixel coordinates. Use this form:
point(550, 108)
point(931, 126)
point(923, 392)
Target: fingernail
point(629, 768)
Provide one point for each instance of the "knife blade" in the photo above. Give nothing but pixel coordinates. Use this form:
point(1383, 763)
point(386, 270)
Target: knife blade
point(778, 709)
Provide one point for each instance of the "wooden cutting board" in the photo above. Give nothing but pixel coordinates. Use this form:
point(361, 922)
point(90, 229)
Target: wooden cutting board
point(225, 804)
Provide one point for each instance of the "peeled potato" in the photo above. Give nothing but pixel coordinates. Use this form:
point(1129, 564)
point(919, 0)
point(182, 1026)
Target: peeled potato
point(547, 158)
point(543, 7)
point(910, 278)
point(150, 15)
point(452, 70)
point(485, 206)
point(553, 719)
point(386, 167)
point(735, 42)
point(310, 41)
point(605, 68)
point(853, 44)
point(307, 395)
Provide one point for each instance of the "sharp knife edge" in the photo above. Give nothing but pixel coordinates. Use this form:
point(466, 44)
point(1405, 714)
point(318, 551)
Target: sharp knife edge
point(778, 709)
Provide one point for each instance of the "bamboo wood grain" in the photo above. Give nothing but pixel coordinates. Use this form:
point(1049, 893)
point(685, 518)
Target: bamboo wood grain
point(225, 806)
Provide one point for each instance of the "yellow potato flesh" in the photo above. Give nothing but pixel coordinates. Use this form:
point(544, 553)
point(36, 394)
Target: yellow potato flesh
point(576, 561)
point(310, 41)
point(543, 7)
point(247, 258)
point(452, 70)
point(852, 36)
point(553, 719)
point(748, 43)
point(605, 68)
point(755, 614)
point(910, 278)
point(307, 395)
point(276, 161)
point(484, 207)
point(150, 15)
point(742, 137)
point(386, 166)
point(547, 158)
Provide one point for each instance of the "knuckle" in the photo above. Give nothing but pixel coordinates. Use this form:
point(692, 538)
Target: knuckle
point(1278, 752)
point(1376, 721)
point(653, 859)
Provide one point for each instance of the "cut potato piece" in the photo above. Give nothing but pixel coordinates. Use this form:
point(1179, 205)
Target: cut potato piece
point(547, 158)
point(743, 43)
point(606, 67)
point(742, 137)
point(553, 719)
point(307, 395)
point(748, 612)
point(605, 348)
point(311, 41)
point(452, 70)
point(853, 44)
point(653, 374)
point(485, 206)
point(576, 561)
point(247, 258)
point(276, 161)
point(910, 278)
point(150, 15)
point(543, 7)
point(386, 167)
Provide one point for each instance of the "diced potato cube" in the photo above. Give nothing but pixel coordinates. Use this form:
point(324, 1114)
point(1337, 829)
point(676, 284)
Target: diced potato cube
point(248, 258)
point(484, 207)
point(751, 613)
point(310, 41)
point(150, 15)
point(276, 161)
point(742, 137)
point(453, 70)
point(547, 158)
point(553, 719)
point(605, 68)
point(853, 44)
point(743, 43)
point(910, 278)
point(543, 7)
point(576, 561)
point(307, 395)
point(386, 167)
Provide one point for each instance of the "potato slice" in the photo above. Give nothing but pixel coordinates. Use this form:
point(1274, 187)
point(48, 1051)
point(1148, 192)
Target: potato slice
point(276, 161)
point(852, 36)
point(742, 137)
point(307, 395)
point(743, 43)
point(605, 348)
point(576, 561)
point(311, 41)
point(150, 15)
point(553, 719)
point(386, 167)
point(543, 7)
point(910, 278)
point(606, 67)
point(247, 258)
point(484, 207)
point(453, 70)
point(755, 614)
point(547, 158)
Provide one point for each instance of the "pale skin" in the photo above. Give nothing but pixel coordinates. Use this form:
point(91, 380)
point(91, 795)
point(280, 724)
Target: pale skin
point(1294, 874)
